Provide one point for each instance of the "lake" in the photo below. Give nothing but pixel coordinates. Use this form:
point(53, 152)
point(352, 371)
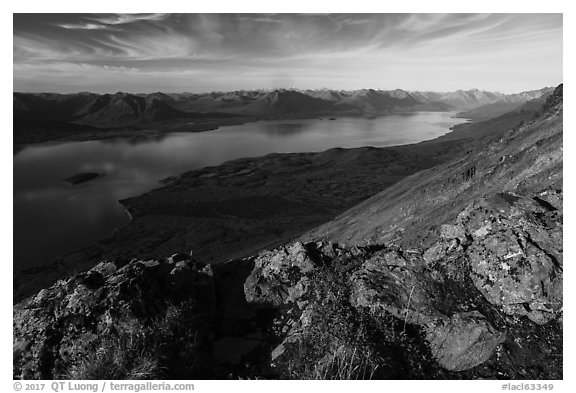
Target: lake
point(52, 218)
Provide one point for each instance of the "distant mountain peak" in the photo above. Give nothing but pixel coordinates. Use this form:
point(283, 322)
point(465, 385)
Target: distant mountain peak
point(121, 108)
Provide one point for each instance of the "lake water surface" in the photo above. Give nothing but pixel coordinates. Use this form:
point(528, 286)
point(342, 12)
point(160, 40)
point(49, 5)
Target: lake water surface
point(52, 218)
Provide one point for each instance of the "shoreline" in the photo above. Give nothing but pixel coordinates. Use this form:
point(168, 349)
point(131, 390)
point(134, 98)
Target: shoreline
point(120, 132)
point(282, 197)
point(151, 130)
point(333, 188)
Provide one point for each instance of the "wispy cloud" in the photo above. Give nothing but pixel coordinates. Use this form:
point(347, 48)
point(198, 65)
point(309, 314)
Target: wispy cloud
point(83, 26)
point(106, 21)
point(353, 46)
point(119, 19)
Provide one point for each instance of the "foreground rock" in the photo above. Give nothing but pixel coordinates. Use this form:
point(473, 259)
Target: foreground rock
point(95, 321)
point(464, 341)
point(429, 302)
point(516, 255)
point(315, 310)
point(281, 276)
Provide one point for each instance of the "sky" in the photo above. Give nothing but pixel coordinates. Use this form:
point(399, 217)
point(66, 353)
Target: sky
point(142, 53)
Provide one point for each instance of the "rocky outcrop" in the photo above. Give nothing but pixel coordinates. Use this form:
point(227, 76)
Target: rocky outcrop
point(503, 253)
point(63, 325)
point(280, 276)
point(411, 290)
point(516, 253)
point(464, 341)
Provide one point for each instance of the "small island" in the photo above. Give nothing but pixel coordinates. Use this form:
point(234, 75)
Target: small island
point(80, 178)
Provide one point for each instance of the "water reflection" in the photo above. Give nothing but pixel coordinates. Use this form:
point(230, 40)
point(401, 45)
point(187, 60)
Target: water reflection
point(136, 140)
point(284, 129)
point(57, 218)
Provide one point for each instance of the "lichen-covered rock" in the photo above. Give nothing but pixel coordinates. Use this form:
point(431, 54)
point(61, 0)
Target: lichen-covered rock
point(383, 287)
point(279, 276)
point(509, 274)
point(515, 257)
point(464, 341)
point(435, 253)
point(394, 258)
point(105, 268)
point(448, 231)
point(62, 324)
point(458, 341)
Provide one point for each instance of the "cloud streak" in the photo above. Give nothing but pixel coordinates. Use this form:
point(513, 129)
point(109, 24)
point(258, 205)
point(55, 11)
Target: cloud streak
point(83, 26)
point(120, 19)
point(359, 47)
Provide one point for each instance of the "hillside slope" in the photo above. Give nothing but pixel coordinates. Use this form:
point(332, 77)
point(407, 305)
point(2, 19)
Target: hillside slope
point(505, 104)
point(522, 160)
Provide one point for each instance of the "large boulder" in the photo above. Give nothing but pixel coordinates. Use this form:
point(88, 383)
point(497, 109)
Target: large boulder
point(390, 284)
point(515, 257)
point(280, 276)
point(464, 341)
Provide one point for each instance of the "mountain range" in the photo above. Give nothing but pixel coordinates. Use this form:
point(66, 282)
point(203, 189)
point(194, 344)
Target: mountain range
point(106, 111)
